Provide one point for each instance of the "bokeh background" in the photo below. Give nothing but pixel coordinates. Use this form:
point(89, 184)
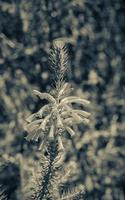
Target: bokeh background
point(94, 32)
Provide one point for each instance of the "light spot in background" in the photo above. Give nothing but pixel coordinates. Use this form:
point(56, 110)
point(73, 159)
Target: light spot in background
point(93, 77)
point(45, 75)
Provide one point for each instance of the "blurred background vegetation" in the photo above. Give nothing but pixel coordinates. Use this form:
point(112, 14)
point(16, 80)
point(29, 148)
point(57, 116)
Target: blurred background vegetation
point(94, 32)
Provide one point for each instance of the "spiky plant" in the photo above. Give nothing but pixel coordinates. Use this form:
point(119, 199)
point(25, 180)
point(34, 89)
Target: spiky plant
point(58, 116)
point(52, 121)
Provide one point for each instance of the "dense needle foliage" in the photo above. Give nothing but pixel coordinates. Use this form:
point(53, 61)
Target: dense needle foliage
point(94, 34)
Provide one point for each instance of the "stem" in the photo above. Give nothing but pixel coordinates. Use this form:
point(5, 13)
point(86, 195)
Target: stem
point(46, 176)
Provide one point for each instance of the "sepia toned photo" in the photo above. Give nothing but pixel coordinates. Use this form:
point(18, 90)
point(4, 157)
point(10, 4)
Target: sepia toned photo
point(62, 100)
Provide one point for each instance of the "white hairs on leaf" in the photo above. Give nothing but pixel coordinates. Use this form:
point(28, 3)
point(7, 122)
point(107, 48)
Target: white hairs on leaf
point(45, 96)
point(74, 99)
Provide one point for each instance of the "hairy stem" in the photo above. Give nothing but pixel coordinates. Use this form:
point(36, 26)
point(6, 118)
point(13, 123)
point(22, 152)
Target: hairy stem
point(47, 173)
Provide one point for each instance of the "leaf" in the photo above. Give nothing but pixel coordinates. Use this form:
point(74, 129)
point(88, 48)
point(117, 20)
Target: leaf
point(44, 123)
point(74, 99)
point(45, 96)
point(70, 131)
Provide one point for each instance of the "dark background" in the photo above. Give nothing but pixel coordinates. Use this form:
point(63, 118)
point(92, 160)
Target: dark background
point(94, 32)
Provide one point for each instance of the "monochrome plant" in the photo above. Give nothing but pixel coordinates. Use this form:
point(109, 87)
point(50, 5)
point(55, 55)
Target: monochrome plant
point(58, 115)
point(49, 125)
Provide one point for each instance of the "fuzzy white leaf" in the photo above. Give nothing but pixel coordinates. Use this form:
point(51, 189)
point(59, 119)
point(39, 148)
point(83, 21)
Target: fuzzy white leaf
point(45, 96)
point(70, 131)
point(44, 123)
point(74, 99)
point(51, 132)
